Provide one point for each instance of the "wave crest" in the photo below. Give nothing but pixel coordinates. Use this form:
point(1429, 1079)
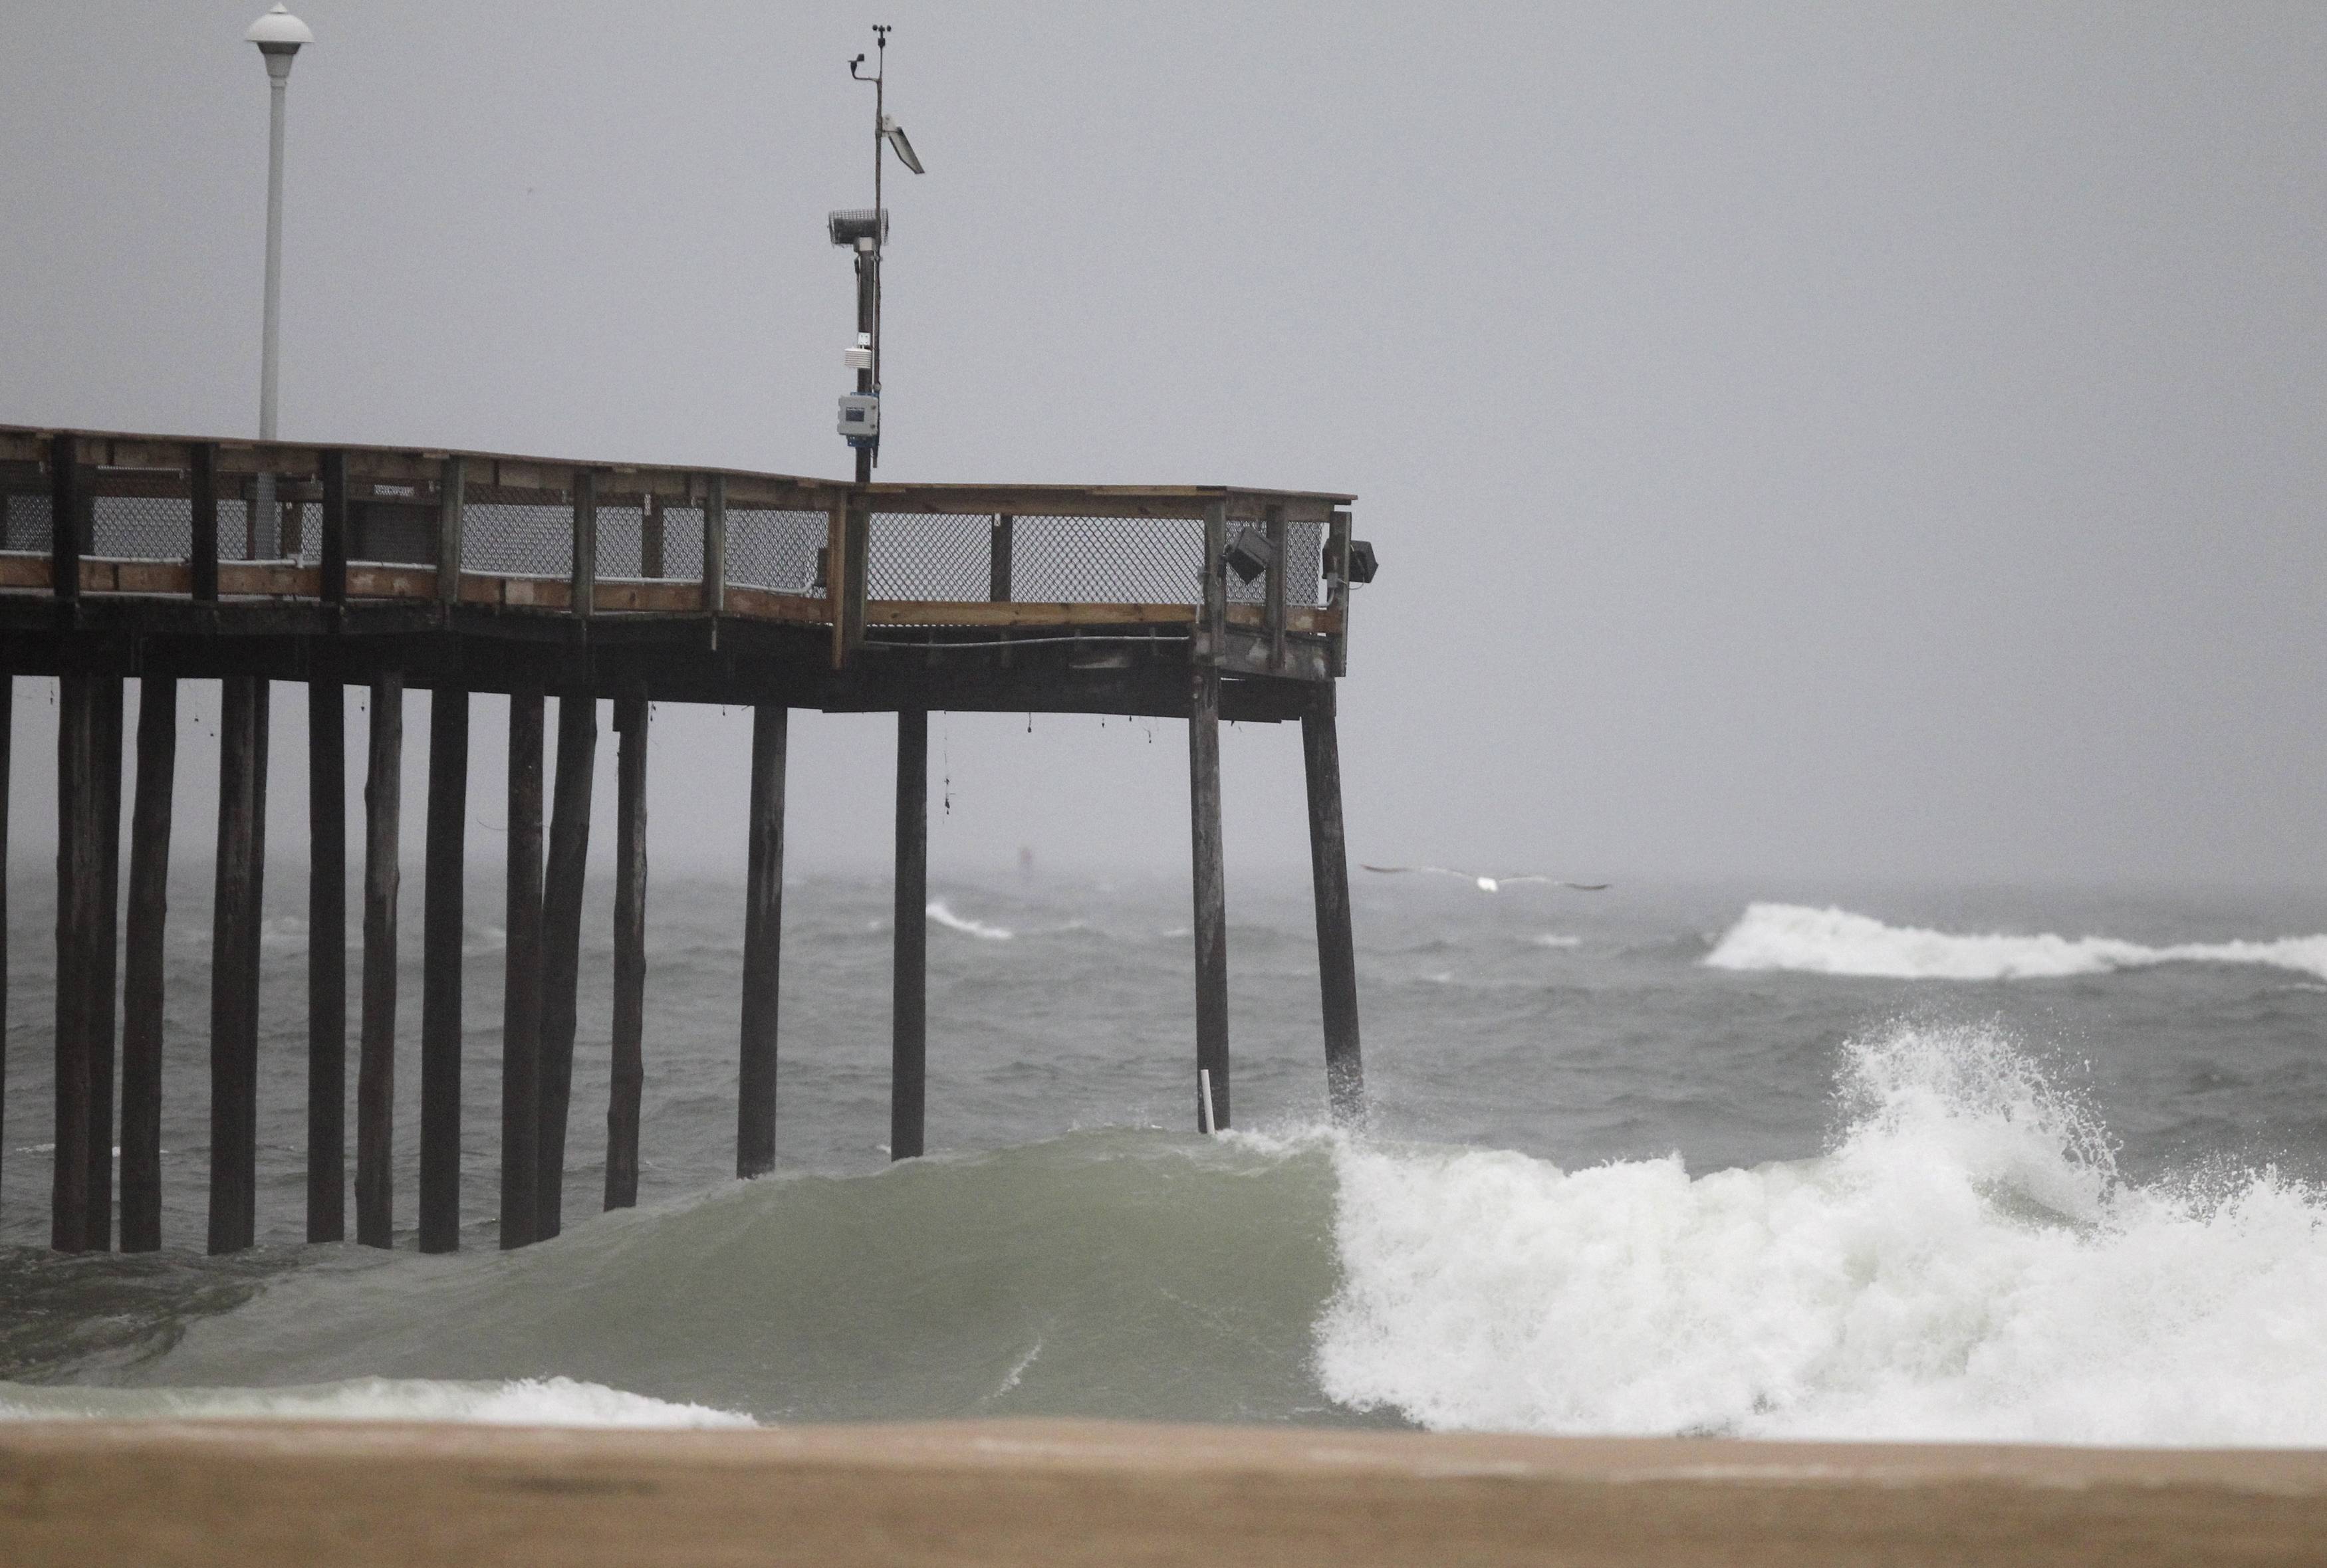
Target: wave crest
point(1834, 941)
point(944, 916)
point(1965, 1264)
point(521, 1402)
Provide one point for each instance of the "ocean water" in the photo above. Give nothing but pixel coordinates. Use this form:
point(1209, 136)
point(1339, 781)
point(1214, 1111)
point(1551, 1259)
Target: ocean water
point(1831, 1160)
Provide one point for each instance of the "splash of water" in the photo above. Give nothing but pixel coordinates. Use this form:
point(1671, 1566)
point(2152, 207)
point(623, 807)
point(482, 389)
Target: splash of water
point(1967, 1262)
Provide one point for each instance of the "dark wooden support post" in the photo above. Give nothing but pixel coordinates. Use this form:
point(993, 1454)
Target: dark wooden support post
point(1337, 591)
point(376, 1071)
point(7, 739)
point(835, 578)
point(521, 978)
point(630, 951)
point(440, 981)
point(586, 543)
point(997, 566)
point(450, 514)
point(236, 913)
point(1329, 866)
point(201, 466)
point(80, 864)
point(909, 987)
point(1210, 924)
point(334, 551)
point(142, 983)
point(1273, 585)
point(763, 911)
point(64, 518)
point(97, 1235)
point(650, 534)
point(327, 929)
point(715, 546)
point(561, 937)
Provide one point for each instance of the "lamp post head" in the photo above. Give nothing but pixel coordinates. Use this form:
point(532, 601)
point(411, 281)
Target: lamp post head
point(278, 35)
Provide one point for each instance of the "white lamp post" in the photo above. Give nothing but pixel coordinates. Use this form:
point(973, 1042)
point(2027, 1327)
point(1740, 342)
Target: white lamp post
point(278, 35)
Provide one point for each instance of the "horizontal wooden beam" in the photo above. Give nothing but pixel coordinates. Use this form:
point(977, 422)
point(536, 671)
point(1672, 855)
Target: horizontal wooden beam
point(1021, 614)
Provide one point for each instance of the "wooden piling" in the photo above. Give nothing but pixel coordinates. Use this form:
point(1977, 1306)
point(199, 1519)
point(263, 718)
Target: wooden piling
point(521, 978)
point(376, 1070)
point(201, 477)
point(80, 862)
point(327, 930)
point(440, 981)
point(96, 1236)
point(628, 1064)
point(141, 979)
point(561, 939)
point(1329, 867)
point(910, 978)
point(763, 909)
point(65, 499)
point(997, 558)
point(7, 735)
point(1210, 923)
point(235, 914)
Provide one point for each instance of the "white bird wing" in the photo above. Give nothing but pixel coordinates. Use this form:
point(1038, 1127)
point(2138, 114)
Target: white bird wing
point(1426, 870)
point(1555, 881)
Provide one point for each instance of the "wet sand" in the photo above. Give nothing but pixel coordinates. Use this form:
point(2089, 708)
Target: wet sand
point(1092, 1493)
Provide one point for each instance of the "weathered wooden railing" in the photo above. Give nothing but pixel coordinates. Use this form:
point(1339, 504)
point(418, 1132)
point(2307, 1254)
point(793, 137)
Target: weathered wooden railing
point(222, 520)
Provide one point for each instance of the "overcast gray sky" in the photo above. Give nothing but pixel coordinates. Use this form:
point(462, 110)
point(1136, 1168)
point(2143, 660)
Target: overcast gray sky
point(1801, 440)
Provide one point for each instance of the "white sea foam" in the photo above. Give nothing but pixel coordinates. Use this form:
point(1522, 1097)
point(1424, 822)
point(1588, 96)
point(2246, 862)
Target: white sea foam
point(1832, 941)
point(945, 917)
point(527, 1402)
point(1554, 939)
point(1965, 1264)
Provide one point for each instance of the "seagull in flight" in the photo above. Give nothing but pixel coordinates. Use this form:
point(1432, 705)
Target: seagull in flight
point(1490, 884)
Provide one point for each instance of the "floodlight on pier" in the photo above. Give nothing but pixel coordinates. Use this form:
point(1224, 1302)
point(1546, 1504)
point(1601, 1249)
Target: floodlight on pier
point(1249, 554)
point(858, 224)
point(1361, 564)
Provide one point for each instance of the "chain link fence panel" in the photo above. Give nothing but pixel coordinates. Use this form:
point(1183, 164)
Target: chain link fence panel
point(1108, 560)
point(528, 538)
point(775, 549)
point(929, 555)
point(24, 523)
point(631, 538)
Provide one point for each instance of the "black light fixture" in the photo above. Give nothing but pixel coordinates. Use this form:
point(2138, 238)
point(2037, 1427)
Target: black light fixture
point(1362, 565)
point(1249, 554)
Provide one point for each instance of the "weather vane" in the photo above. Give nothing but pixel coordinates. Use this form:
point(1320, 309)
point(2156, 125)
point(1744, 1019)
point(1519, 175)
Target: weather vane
point(866, 232)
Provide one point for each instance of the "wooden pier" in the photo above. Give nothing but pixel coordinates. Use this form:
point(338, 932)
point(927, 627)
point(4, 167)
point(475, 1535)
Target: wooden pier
point(455, 573)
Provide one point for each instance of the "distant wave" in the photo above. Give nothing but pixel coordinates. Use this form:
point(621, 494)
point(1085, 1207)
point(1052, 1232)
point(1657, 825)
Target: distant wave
point(1554, 939)
point(1832, 941)
point(525, 1401)
point(967, 927)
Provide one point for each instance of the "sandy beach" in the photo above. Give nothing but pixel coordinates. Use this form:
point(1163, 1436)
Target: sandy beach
point(1047, 1492)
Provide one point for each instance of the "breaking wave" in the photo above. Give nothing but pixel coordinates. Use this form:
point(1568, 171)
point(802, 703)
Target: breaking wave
point(1965, 1264)
point(1966, 1261)
point(1832, 941)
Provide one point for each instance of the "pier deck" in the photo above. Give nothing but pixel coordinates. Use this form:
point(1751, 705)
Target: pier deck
point(163, 559)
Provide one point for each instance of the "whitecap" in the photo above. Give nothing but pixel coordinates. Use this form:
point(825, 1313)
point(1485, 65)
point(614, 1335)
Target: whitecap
point(945, 917)
point(521, 1402)
point(1833, 941)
